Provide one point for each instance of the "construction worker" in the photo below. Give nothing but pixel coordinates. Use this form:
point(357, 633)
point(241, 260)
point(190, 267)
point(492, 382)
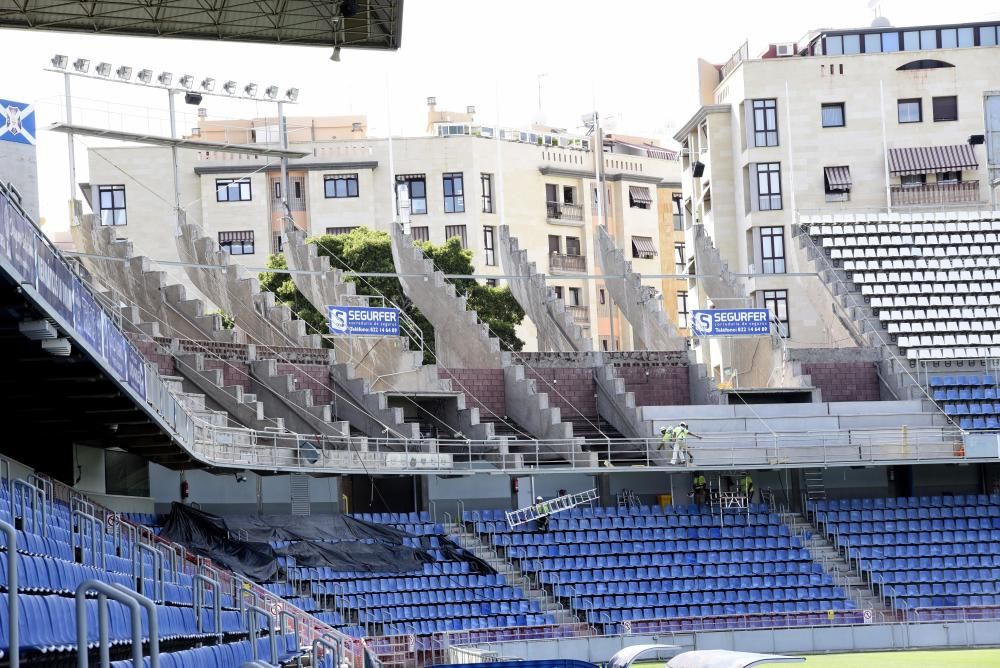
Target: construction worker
point(665, 436)
point(542, 523)
point(700, 485)
point(679, 435)
point(746, 486)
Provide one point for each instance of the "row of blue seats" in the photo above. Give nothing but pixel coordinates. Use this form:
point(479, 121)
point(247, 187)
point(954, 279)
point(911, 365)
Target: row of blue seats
point(437, 568)
point(910, 601)
point(663, 583)
point(331, 617)
point(966, 394)
point(983, 511)
point(705, 585)
point(413, 583)
point(903, 502)
point(613, 511)
point(963, 583)
point(468, 624)
point(772, 571)
point(648, 563)
point(616, 535)
point(427, 597)
point(646, 550)
point(707, 598)
point(985, 408)
point(978, 423)
point(428, 542)
point(678, 522)
point(922, 537)
point(405, 613)
point(616, 615)
point(222, 656)
point(682, 558)
point(911, 551)
point(394, 518)
point(962, 381)
point(936, 563)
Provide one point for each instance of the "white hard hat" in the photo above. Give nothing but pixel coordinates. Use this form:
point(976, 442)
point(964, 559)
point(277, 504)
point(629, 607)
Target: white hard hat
point(538, 498)
point(663, 428)
point(684, 424)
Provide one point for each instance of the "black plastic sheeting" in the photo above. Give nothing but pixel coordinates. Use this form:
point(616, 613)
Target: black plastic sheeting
point(340, 542)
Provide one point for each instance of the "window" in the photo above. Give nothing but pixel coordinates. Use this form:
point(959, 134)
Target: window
point(337, 231)
point(340, 185)
point(765, 122)
point(834, 45)
point(945, 108)
point(833, 114)
point(912, 180)
point(489, 246)
point(772, 250)
point(602, 297)
point(277, 190)
point(569, 195)
point(769, 186)
point(682, 309)
point(555, 244)
point(680, 261)
point(574, 297)
point(454, 193)
point(486, 180)
point(456, 231)
point(237, 243)
point(232, 190)
point(491, 282)
point(297, 189)
point(678, 214)
point(639, 197)
point(928, 39)
point(924, 64)
point(572, 245)
point(112, 204)
point(559, 291)
point(643, 248)
point(910, 111)
point(890, 41)
point(416, 190)
point(837, 183)
point(949, 177)
point(776, 301)
point(125, 474)
point(988, 36)
point(420, 233)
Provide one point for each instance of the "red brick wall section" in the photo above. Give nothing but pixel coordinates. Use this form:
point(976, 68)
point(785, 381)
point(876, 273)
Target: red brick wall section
point(483, 389)
point(311, 377)
point(233, 372)
point(657, 385)
point(844, 381)
point(155, 354)
point(571, 390)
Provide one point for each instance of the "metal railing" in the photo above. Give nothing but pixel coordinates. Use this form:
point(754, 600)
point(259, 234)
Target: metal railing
point(961, 192)
point(561, 262)
point(561, 211)
point(581, 314)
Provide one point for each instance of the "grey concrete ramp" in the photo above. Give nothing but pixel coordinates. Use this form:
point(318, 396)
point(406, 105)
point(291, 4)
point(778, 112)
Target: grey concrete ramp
point(238, 293)
point(650, 325)
point(554, 325)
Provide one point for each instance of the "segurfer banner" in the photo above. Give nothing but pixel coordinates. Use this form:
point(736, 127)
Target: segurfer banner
point(55, 281)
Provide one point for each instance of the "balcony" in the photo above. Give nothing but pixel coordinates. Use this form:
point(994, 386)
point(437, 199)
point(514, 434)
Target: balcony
point(560, 211)
point(966, 192)
point(581, 315)
point(571, 263)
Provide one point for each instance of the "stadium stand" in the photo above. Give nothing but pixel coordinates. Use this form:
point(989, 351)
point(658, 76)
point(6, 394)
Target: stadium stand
point(971, 400)
point(931, 278)
point(921, 552)
point(676, 568)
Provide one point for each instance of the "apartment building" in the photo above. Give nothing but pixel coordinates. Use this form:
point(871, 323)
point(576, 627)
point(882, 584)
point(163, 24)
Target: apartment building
point(843, 121)
point(454, 178)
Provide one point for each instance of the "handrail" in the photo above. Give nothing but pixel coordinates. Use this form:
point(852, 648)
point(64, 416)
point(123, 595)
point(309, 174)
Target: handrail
point(37, 495)
point(13, 599)
point(199, 583)
point(322, 642)
point(135, 602)
point(96, 539)
point(139, 569)
point(255, 614)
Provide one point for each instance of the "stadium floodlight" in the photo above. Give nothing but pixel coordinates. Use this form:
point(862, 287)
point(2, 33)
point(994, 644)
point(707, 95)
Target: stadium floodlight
point(124, 72)
point(250, 89)
point(60, 61)
point(208, 84)
point(229, 87)
point(165, 78)
point(292, 94)
point(186, 81)
point(81, 65)
point(145, 76)
point(104, 69)
point(271, 92)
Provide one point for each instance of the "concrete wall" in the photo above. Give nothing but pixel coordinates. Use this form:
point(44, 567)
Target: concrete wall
point(484, 388)
point(845, 381)
point(19, 166)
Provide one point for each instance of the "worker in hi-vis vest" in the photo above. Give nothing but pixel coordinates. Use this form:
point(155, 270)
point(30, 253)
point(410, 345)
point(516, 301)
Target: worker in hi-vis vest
point(679, 435)
point(666, 437)
point(700, 485)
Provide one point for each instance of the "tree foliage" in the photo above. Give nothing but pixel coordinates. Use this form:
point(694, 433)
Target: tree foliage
point(368, 251)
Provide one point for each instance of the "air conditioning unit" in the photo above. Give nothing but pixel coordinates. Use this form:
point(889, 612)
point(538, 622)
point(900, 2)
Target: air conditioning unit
point(784, 50)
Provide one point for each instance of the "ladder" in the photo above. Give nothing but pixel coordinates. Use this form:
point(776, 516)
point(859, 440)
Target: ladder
point(558, 504)
point(815, 487)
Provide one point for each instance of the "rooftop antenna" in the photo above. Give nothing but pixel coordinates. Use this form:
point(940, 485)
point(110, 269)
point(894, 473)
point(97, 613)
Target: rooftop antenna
point(878, 21)
point(540, 116)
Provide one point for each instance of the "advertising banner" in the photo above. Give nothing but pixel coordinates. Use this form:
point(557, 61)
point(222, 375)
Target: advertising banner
point(55, 281)
point(362, 321)
point(731, 322)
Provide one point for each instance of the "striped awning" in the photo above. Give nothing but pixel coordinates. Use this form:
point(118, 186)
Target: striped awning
point(242, 235)
point(838, 178)
point(643, 246)
point(927, 159)
point(640, 194)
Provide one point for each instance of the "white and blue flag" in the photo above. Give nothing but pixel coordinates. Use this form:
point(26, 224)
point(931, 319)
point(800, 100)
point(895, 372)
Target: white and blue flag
point(17, 122)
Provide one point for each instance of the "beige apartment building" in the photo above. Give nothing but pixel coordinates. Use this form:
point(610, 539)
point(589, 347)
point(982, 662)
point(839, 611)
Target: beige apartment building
point(843, 121)
point(454, 177)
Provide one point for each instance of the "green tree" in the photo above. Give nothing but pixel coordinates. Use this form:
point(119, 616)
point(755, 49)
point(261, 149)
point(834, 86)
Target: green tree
point(369, 251)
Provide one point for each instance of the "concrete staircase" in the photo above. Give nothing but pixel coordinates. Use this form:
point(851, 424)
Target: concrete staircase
point(824, 553)
point(237, 292)
point(280, 396)
point(515, 578)
point(651, 327)
point(143, 295)
point(861, 321)
point(243, 407)
point(531, 410)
